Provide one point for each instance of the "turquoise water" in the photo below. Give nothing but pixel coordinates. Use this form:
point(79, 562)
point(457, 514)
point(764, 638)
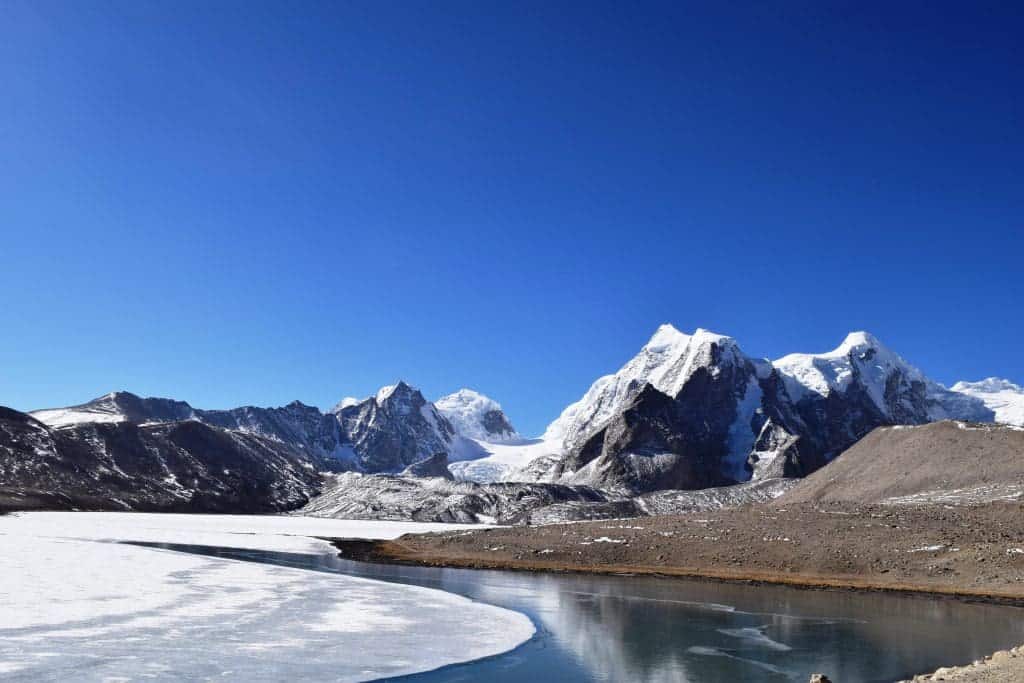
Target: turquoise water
point(627, 628)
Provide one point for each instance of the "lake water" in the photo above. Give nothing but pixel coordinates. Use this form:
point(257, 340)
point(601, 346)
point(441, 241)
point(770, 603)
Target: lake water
point(649, 629)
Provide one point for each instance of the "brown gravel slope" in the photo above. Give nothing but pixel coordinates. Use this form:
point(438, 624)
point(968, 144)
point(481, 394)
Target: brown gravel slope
point(940, 462)
point(966, 551)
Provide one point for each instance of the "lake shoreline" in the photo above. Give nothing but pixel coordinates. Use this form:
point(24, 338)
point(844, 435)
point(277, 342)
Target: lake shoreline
point(396, 553)
point(968, 554)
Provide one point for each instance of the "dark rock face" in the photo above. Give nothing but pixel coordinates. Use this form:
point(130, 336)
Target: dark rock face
point(395, 429)
point(295, 424)
point(649, 446)
point(434, 466)
point(181, 466)
point(497, 425)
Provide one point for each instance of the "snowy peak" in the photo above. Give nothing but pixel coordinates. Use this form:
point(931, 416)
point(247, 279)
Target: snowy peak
point(117, 406)
point(859, 340)
point(389, 395)
point(861, 357)
point(666, 336)
point(667, 362)
point(1001, 396)
point(476, 416)
point(863, 366)
point(385, 392)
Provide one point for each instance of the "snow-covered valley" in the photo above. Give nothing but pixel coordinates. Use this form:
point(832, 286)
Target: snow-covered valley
point(81, 603)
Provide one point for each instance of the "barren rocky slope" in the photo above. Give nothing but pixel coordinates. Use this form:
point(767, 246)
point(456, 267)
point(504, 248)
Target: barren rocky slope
point(948, 462)
point(178, 466)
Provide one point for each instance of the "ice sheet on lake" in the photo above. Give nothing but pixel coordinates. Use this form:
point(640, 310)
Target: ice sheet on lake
point(77, 608)
point(258, 532)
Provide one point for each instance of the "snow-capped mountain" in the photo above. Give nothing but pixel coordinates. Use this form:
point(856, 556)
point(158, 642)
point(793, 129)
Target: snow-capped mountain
point(667, 362)
point(476, 416)
point(900, 392)
point(394, 429)
point(1002, 396)
point(684, 413)
point(692, 411)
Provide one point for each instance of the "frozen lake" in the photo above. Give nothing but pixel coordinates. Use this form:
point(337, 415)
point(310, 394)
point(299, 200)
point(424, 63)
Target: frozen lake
point(79, 602)
point(160, 597)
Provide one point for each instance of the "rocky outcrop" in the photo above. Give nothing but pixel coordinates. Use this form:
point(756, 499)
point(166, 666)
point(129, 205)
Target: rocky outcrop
point(434, 466)
point(296, 424)
point(651, 444)
point(1003, 666)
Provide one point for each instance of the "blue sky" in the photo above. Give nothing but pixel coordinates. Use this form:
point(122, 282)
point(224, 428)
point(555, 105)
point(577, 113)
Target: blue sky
point(247, 203)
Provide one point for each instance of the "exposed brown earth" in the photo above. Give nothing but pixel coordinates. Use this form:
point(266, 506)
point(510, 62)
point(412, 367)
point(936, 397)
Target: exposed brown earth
point(969, 552)
point(952, 462)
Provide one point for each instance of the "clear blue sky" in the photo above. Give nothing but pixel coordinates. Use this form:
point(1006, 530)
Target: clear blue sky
point(235, 203)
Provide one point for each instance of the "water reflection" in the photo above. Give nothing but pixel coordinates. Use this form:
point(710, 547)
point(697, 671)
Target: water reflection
point(653, 630)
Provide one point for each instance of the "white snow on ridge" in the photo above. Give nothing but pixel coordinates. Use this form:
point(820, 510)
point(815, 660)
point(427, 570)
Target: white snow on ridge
point(385, 392)
point(666, 362)
point(466, 409)
point(1003, 397)
point(346, 402)
point(823, 373)
point(83, 609)
point(65, 417)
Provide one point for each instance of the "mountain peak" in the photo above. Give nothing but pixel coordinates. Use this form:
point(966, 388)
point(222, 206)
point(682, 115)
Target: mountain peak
point(668, 337)
point(666, 333)
point(476, 416)
point(860, 339)
point(115, 396)
point(401, 388)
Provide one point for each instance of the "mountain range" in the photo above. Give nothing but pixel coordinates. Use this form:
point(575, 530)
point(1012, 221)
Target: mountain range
point(689, 411)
